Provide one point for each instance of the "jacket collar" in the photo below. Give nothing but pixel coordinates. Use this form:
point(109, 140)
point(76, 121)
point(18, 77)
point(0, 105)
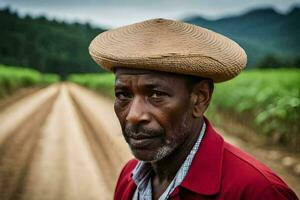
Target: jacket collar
point(204, 175)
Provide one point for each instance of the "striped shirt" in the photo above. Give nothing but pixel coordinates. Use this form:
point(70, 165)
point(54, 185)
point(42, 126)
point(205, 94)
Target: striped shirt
point(141, 175)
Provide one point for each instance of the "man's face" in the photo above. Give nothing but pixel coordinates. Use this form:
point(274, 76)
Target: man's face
point(154, 111)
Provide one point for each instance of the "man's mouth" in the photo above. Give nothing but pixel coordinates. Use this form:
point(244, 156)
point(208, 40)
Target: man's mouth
point(140, 137)
point(141, 142)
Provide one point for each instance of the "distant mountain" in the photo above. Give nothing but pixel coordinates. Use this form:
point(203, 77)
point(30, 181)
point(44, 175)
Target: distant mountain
point(262, 33)
point(48, 46)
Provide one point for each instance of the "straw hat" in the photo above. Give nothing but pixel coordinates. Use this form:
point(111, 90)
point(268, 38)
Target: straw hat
point(170, 46)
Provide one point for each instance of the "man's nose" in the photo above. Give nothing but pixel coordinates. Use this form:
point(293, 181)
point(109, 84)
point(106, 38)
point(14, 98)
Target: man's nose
point(138, 111)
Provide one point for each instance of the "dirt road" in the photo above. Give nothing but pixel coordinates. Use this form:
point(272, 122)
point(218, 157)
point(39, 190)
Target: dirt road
point(63, 142)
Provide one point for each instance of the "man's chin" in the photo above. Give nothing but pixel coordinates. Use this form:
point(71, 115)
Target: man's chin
point(143, 155)
point(150, 155)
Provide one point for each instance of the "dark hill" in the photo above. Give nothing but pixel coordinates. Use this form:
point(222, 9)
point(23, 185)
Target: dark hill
point(263, 33)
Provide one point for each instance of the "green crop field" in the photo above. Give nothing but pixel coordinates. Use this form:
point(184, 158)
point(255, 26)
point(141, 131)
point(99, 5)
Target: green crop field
point(13, 78)
point(102, 83)
point(268, 99)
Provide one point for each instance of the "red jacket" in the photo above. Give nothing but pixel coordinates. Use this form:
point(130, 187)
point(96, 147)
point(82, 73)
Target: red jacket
point(218, 171)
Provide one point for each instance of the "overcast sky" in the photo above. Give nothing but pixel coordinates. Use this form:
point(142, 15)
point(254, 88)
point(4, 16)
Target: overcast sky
point(113, 13)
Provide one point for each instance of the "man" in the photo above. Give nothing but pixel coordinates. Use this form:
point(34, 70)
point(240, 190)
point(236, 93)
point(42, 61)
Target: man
point(164, 82)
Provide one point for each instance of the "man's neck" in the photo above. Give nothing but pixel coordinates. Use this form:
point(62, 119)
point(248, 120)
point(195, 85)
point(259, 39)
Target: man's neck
point(165, 170)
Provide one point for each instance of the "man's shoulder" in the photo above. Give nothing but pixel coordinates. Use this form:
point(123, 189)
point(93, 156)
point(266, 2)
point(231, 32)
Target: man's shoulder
point(125, 174)
point(124, 179)
point(246, 166)
point(129, 166)
point(248, 175)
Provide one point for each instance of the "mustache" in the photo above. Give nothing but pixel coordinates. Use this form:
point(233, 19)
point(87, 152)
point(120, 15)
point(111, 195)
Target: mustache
point(140, 132)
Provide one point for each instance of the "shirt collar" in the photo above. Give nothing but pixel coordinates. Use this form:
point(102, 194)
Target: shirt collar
point(142, 172)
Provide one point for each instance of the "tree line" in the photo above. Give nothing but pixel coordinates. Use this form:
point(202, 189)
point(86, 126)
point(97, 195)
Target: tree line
point(52, 46)
point(46, 45)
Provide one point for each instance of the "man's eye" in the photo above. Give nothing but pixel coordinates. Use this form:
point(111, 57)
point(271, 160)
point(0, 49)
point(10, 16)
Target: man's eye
point(157, 94)
point(122, 95)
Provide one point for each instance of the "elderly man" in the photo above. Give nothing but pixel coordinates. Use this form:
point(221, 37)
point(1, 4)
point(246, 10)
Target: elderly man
point(165, 72)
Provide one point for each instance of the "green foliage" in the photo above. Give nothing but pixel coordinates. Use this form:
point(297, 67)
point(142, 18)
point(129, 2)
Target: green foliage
point(103, 83)
point(269, 61)
point(13, 78)
point(270, 97)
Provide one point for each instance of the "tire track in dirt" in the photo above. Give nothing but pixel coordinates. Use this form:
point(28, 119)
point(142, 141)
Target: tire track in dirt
point(97, 146)
point(103, 139)
point(16, 96)
point(65, 154)
point(18, 147)
point(99, 113)
point(14, 116)
point(51, 149)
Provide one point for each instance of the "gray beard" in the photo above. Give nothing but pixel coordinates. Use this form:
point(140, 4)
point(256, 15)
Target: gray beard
point(168, 148)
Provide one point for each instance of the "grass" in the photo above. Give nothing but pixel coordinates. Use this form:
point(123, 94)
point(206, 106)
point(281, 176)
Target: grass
point(102, 83)
point(13, 78)
point(268, 100)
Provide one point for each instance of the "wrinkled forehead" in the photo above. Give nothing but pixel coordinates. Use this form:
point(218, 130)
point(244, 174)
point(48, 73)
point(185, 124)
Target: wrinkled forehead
point(144, 76)
point(131, 71)
point(119, 72)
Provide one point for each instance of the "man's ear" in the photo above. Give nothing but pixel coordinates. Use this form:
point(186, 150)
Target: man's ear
point(200, 97)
